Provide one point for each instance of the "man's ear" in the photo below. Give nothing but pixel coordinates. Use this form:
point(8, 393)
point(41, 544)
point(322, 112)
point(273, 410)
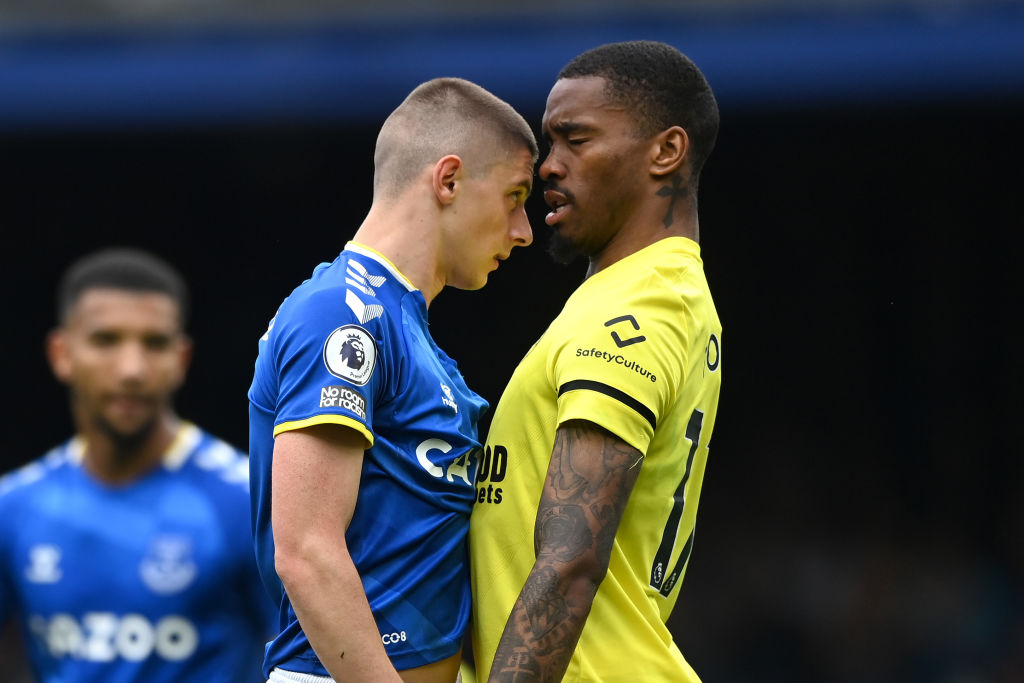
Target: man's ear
point(446, 176)
point(58, 353)
point(669, 150)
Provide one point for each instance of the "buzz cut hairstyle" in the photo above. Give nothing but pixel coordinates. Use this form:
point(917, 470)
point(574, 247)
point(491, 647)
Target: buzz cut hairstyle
point(446, 116)
point(121, 268)
point(661, 85)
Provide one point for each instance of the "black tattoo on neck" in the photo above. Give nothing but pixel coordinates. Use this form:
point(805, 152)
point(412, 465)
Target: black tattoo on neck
point(677, 191)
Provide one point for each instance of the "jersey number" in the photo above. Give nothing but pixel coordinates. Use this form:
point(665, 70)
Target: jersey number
point(663, 582)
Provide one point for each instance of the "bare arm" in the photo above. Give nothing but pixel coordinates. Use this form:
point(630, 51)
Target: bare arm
point(316, 475)
point(589, 480)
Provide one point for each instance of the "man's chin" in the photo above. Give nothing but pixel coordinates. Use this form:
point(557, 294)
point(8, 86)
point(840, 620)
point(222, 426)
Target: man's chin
point(562, 250)
point(127, 436)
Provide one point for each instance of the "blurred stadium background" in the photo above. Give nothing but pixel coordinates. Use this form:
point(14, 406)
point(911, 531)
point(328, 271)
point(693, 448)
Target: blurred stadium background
point(862, 517)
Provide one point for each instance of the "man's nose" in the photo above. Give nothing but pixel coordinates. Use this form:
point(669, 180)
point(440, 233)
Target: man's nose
point(522, 231)
point(131, 360)
point(550, 168)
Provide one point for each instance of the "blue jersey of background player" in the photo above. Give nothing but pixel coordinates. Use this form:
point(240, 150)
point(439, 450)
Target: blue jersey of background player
point(125, 554)
point(362, 431)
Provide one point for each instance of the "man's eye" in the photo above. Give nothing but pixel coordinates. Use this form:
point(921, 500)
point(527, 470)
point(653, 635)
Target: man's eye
point(103, 339)
point(157, 343)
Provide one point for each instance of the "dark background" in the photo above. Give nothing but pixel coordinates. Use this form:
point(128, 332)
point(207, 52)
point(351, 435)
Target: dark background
point(861, 516)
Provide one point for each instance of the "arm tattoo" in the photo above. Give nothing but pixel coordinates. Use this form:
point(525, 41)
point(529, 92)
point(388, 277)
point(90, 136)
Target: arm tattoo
point(589, 480)
point(677, 191)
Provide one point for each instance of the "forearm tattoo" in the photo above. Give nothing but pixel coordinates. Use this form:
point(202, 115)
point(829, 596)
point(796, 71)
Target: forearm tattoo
point(588, 484)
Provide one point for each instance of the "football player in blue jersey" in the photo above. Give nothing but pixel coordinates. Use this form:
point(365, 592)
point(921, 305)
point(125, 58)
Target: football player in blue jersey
point(125, 553)
point(363, 433)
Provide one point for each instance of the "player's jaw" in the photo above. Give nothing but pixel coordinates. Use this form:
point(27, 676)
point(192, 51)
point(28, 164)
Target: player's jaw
point(129, 407)
point(487, 265)
point(562, 246)
point(126, 437)
point(126, 416)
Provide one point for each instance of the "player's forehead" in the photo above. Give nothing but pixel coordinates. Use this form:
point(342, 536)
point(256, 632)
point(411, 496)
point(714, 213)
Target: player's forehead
point(575, 103)
point(99, 307)
point(516, 169)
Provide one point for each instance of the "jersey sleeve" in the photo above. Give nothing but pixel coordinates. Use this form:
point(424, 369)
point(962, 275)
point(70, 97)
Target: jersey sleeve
point(330, 365)
point(619, 367)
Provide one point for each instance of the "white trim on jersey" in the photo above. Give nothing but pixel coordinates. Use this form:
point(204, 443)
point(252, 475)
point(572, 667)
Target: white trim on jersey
point(187, 438)
point(185, 441)
point(368, 252)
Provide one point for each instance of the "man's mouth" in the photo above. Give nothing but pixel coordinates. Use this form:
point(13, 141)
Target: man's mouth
point(129, 402)
point(559, 204)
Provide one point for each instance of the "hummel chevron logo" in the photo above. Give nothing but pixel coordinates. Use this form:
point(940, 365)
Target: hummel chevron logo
point(363, 312)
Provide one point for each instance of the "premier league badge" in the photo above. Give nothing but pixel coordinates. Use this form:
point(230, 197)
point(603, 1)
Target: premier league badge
point(351, 353)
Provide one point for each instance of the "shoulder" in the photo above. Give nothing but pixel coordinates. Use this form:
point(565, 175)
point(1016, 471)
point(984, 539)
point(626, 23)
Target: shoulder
point(664, 284)
point(214, 461)
point(339, 294)
point(30, 476)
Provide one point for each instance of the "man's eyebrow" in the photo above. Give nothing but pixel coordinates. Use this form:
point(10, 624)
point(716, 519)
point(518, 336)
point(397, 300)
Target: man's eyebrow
point(566, 127)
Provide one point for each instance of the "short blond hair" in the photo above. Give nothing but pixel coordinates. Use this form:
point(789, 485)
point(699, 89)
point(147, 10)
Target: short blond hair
point(446, 116)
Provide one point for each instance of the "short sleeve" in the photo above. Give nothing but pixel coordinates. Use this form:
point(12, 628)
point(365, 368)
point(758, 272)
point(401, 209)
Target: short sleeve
point(621, 366)
point(330, 365)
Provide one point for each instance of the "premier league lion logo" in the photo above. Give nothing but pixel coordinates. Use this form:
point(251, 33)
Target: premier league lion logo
point(350, 352)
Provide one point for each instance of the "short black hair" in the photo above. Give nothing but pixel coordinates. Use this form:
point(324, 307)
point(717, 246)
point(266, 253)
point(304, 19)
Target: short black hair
point(123, 268)
point(662, 86)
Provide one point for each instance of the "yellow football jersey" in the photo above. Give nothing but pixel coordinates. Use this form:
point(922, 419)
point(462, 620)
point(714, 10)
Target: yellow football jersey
point(637, 350)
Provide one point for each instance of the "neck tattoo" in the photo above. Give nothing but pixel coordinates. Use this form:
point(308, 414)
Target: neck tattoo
point(677, 191)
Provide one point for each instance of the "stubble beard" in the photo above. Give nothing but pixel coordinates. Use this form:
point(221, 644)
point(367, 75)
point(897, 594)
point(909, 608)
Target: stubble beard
point(126, 443)
point(563, 250)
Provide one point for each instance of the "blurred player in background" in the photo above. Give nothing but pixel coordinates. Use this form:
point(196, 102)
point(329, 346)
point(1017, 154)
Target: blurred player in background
point(587, 493)
point(126, 552)
point(363, 432)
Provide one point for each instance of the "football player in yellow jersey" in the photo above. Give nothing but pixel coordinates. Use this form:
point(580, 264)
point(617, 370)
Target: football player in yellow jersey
point(588, 488)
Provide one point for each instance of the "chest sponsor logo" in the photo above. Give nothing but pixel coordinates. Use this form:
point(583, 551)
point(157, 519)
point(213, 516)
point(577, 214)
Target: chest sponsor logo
point(446, 468)
point(341, 396)
point(350, 352)
point(493, 468)
point(168, 566)
point(106, 637)
point(44, 564)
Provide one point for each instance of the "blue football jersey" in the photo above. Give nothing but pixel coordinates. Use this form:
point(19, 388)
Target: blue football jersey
point(149, 581)
point(350, 346)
